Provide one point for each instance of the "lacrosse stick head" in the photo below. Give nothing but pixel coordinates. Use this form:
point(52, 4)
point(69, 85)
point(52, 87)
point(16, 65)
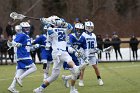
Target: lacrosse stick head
point(15, 15)
point(108, 49)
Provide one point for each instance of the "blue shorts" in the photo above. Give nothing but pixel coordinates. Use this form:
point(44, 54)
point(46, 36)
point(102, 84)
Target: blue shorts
point(23, 63)
point(46, 55)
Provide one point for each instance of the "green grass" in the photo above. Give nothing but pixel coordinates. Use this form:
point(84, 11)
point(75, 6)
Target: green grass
point(122, 77)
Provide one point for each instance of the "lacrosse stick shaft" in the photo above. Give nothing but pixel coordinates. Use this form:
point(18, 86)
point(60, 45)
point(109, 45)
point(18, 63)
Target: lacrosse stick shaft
point(32, 18)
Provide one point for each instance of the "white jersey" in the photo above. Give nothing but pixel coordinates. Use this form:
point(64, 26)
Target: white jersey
point(57, 38)
point(91, 43)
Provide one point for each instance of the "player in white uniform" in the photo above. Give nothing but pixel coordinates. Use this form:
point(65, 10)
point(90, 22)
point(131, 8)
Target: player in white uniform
point(91, 49)
point(57, 37)
point(25, 65)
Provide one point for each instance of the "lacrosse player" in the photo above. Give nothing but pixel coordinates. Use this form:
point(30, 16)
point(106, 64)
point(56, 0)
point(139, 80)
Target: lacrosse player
point(75, 49)
point(45, 52)
point(25, 65)
point(57, 35)
point(89, 44)
point(89, 50)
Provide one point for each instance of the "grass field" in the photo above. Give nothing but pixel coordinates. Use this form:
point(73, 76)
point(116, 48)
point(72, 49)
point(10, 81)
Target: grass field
point(122, 77)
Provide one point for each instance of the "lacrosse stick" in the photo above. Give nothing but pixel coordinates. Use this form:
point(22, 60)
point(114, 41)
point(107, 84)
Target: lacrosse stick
point(15, 15)
point(86, 63)
point(108, 49)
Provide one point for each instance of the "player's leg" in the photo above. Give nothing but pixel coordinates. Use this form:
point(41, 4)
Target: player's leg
point(45, 68)
point(12, 87)
point(94, 63)
point(31, 67)
point(66, 80)
point(75, 70)
point(54, 75)
point(73, 81)
point(81, 82)
point(98, 74)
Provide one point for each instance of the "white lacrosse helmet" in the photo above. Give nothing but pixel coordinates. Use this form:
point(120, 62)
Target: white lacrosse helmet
point(78, 29)
point(79, 26)
point(53, 17)
point(89, 26)
point(18, 28)
point(24, 24)
point(25, 27)
point(56, 21)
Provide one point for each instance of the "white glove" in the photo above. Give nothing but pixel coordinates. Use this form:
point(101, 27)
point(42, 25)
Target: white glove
point(47, 46)
point(70, 50)
point(36, 46)
point(17, 44)
point(78, 54)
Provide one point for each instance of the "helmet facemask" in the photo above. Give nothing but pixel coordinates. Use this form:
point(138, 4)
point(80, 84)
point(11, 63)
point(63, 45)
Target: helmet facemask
point(79, 27)
point(25, 27)
point(89, 26)
point(78, 32)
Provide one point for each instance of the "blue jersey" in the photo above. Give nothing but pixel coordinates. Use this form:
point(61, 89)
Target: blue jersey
point(76, 43)
point(22, 52)
point(44, 54)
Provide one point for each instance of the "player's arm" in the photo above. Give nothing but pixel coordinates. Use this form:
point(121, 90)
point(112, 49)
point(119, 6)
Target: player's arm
point(68, 26)
point(17, 42)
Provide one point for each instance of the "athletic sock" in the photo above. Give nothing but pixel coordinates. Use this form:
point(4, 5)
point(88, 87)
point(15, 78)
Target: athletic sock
point(98, 77)
point(13, 84)
point(43, 86)
point(72, 87)
point(81, 81)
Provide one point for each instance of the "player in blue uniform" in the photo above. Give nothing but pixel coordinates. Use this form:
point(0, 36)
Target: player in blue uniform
point(25, 65)
point(45, 52)
point(75, 49)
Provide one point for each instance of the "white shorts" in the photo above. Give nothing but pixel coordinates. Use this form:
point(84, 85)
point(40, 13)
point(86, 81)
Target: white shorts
point(59, 57)
point(92, 60)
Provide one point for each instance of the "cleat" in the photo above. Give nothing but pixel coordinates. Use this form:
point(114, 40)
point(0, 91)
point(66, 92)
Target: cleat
point(12, 90)
point(66, 83)
point(100, 82)
point(81, 84)
point(37, 90)
point(19, 81)
point(74, 91)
